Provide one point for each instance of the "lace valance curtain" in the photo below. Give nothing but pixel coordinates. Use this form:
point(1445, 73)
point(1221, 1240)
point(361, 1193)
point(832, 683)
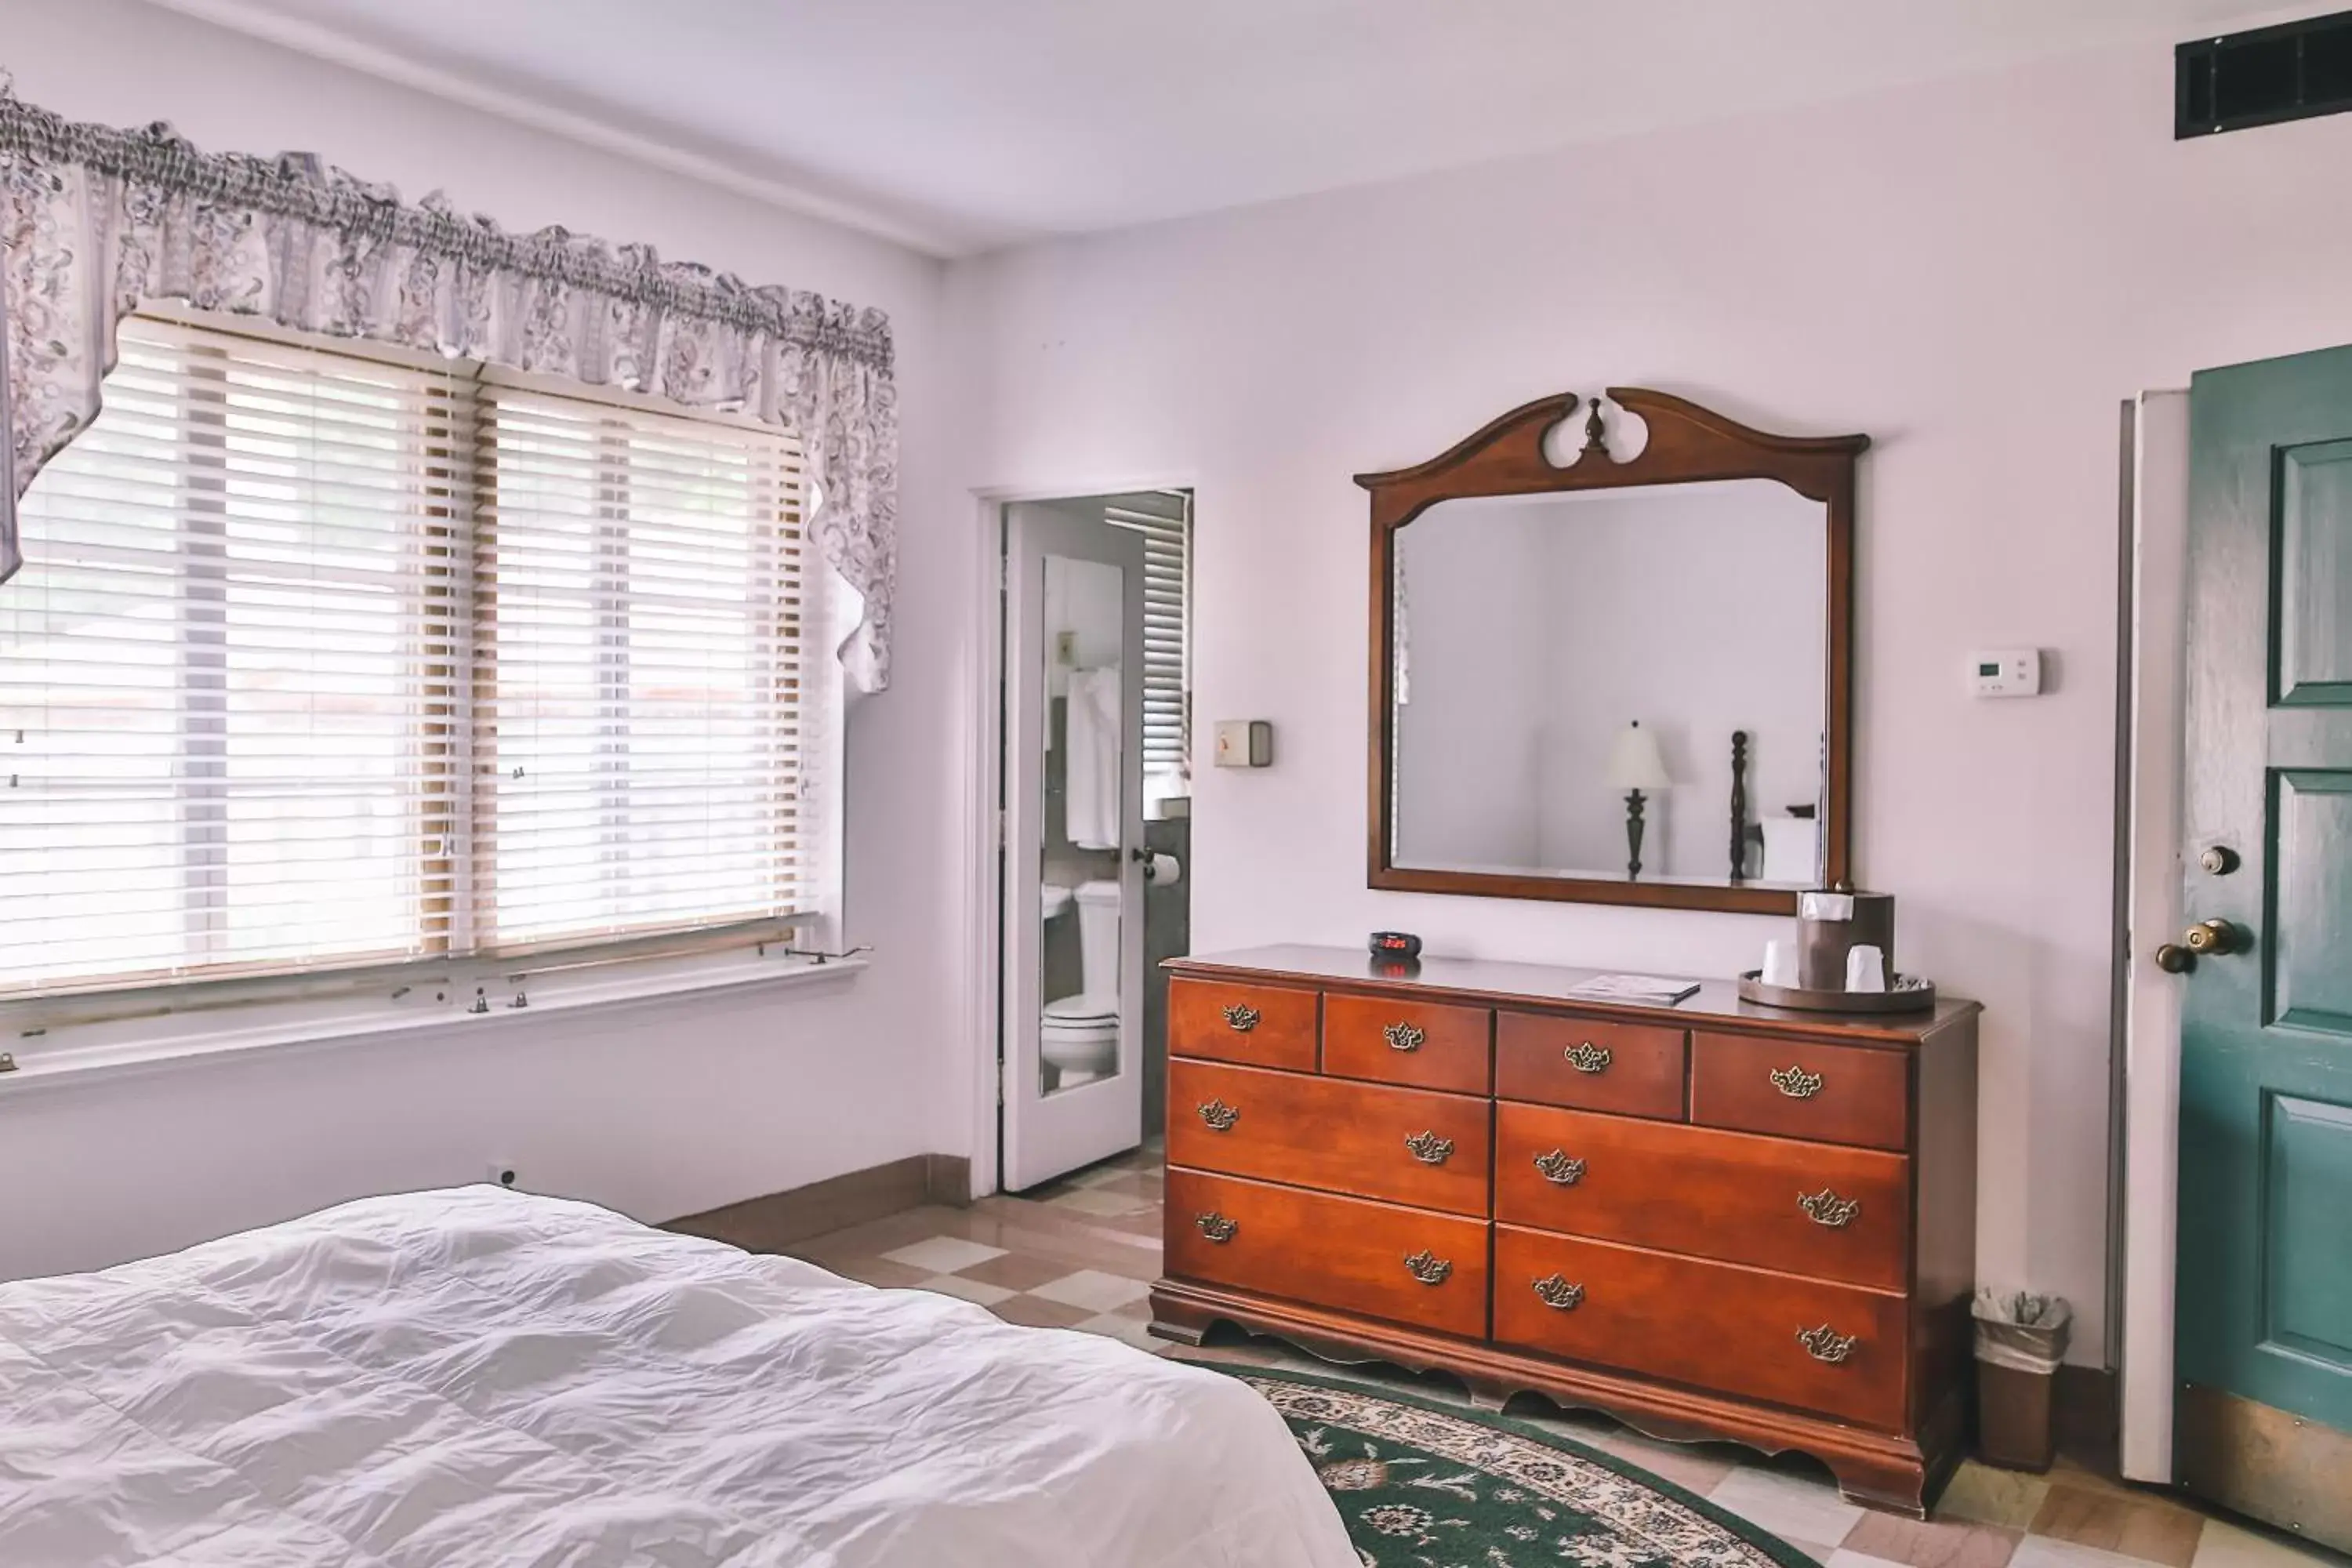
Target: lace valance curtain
point(98, 220)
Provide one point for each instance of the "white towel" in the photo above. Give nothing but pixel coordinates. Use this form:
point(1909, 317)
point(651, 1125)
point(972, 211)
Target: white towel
point(1090, 771)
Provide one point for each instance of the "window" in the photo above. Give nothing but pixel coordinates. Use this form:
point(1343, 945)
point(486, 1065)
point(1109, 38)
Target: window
point(321, 660)
point(1165, 520)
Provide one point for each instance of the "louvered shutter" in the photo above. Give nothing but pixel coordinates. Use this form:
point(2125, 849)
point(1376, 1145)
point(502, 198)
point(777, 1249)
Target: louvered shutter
point(1165, 522)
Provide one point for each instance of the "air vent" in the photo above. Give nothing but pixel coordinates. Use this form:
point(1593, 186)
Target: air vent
point(2294, 71)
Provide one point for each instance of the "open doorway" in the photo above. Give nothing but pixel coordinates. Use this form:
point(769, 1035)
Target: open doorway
point(1094, 783)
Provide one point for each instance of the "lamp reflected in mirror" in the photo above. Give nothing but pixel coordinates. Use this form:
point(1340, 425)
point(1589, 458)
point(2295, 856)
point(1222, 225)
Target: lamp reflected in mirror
point(1637, 767)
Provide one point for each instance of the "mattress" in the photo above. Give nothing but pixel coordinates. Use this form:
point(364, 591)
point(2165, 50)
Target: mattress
point(477, 1378)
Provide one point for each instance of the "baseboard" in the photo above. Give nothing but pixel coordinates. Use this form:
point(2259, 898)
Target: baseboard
point(772, 1223)
point(947, 1179)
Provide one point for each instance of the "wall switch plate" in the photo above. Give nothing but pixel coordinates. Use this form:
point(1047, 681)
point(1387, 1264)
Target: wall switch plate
point(1244, 744)
point(2006, 672)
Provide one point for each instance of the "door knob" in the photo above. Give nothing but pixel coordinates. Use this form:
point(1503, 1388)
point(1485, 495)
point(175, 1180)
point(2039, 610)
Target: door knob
point(2214, 937)
point(2175, 959)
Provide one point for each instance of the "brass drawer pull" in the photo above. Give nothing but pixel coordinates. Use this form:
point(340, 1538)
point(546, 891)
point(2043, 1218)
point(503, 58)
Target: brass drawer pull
point(1559, 1294)
point(1216, 1227)
point(1430, 1148)
point(1796, 1082)
point(1825, 1207)
point(1220, 1116)
point(1558, 1169)
point(1826, 1345)
point(1241, 1017)
point(1586, 1056)
point(1429, 1270)
point(1404, 1036)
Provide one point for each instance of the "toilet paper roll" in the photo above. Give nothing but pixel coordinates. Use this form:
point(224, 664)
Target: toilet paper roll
point(1163, 870)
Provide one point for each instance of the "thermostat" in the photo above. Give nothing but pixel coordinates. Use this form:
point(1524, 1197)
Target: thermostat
point(2006, 672)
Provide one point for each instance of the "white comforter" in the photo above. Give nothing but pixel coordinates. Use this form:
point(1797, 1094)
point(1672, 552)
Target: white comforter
point(479, 1379)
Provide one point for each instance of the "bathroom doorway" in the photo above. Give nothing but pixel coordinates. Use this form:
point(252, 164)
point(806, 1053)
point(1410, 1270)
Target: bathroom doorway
point(1095, 793)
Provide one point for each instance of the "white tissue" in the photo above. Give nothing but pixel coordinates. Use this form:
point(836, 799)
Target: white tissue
point(1825, 905)
point(1163, 870)
point(1792, 849)
point(1779, 963)
point(1865, 968)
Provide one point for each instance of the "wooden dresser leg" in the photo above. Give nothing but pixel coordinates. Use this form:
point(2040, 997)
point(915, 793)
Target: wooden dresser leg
point(1896, 1489)
point(1907, 1486)
point(1489, 1394)
point(1174, 1321)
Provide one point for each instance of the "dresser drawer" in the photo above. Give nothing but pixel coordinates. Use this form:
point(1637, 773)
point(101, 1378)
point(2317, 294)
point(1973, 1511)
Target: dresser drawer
point(1708, 1325)
point(1634, 1069)
point(1426, 1044)
point(1839, 1094)
point(1365, 1140)
point(1820, 1209)
point(1403, 1265)
point(1269, 1025)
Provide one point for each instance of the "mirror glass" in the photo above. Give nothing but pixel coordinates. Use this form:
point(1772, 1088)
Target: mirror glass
point(1080, 852)
point(1558, 654)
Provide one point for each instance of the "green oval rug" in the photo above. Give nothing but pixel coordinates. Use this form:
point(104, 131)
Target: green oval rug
point(1425, 1484)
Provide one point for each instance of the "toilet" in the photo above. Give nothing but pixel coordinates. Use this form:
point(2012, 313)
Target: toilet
point(1079, 1034)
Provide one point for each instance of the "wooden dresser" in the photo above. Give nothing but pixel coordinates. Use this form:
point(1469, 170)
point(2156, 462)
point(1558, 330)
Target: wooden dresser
point(1710, 1220)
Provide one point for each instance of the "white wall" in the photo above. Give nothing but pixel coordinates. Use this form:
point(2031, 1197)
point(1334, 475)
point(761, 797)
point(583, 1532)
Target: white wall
point(1086, 599)
point(1475, 627)
point(657, 1109)
point(1974, 273)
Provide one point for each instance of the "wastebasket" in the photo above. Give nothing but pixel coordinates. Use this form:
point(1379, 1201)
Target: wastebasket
point(2020, 1338)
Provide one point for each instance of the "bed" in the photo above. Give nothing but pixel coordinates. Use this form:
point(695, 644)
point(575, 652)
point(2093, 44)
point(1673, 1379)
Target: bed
point(476, 1378)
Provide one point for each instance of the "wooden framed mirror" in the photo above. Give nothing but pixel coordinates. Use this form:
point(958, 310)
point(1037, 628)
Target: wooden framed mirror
point(1615, 679)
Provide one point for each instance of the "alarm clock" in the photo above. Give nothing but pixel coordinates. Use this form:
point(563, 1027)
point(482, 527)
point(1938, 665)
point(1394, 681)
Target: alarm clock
point(1396, 946)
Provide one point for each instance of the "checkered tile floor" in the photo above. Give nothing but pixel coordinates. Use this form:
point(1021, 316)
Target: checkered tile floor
point(1081, 1253)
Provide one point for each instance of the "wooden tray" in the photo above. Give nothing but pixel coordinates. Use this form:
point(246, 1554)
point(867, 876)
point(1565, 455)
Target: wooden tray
point(1911, 994)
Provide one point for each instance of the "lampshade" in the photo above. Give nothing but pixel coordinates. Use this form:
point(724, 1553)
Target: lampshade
point(1634, 762)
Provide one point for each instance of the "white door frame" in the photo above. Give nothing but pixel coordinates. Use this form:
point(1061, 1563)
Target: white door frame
point(2151, 997)
point(983, 901)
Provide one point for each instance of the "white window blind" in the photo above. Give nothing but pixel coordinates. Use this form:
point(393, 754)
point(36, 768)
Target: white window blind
point(636, 671)
point(319, 660)
point(1165, 521)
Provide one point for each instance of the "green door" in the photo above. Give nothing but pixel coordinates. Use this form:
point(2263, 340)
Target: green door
point(2264, 1313)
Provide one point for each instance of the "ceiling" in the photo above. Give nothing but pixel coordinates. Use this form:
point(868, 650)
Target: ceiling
point(962, 125)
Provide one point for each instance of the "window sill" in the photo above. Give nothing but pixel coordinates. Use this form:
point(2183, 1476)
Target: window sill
point(171, 1043)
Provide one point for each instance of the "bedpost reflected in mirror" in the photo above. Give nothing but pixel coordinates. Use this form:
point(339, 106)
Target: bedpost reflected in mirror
point(1579, 669)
